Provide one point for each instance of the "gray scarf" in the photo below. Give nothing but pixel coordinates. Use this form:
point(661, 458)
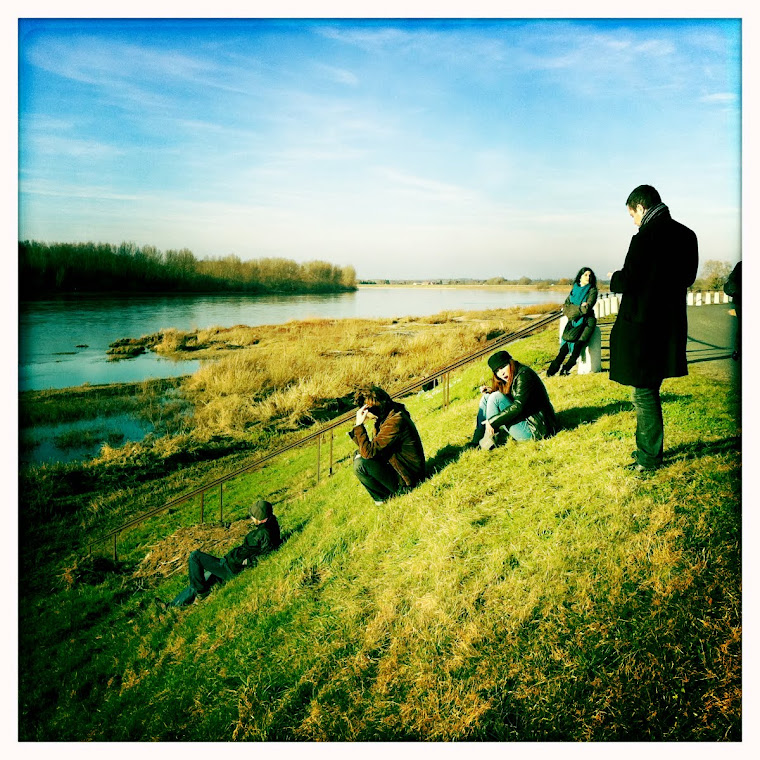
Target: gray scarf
point(653, 213)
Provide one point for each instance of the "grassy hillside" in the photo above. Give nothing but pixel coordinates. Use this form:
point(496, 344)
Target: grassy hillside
point(534, 592)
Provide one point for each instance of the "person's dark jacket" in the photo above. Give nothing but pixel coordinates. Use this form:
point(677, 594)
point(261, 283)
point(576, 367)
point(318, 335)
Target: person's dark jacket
point(648, 339)
point(733, 286)
point(586, 310)
point(397, 442)
point(530, 402)
point(261, 540)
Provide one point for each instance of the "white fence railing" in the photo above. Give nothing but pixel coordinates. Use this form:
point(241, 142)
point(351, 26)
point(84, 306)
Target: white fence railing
point(608, 303)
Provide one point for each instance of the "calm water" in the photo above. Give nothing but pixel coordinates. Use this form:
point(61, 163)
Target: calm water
point(63, 342)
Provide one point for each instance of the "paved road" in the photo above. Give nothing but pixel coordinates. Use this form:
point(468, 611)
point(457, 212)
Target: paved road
point(711, 337)
point(710, 342)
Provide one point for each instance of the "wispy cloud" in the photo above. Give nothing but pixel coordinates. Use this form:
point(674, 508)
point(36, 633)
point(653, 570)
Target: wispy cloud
point(722, 98)
point(52, 145)
point(82, 192)
point(341, 76)
point(424, 187)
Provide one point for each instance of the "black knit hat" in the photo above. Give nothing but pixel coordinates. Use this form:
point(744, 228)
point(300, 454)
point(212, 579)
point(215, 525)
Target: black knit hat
point(498, 360)
point(260, 509)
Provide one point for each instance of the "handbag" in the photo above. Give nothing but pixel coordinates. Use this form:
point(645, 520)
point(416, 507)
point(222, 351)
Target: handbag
point(572, 332)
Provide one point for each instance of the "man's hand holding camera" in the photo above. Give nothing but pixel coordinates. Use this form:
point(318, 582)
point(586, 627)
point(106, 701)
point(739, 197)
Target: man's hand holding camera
point(364, 414)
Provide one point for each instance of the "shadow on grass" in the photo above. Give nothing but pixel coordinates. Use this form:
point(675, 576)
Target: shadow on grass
point(569, 419)
point(712, 358)
point(286, 535)
point(443, 457)
point(700, 449)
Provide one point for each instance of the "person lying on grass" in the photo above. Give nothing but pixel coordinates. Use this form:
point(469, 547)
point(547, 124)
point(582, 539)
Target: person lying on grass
point(515, 405)
point(205, 570)
point(392, 460)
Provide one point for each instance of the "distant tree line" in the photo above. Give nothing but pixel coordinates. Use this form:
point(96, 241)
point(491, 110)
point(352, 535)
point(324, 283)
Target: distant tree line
point(535, 284)
point(47, 268)
point(713, 275)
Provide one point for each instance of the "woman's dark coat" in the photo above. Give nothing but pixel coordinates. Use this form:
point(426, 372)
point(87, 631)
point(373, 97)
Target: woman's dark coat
point(530, 402)
point(586, 309)
point(648, 339)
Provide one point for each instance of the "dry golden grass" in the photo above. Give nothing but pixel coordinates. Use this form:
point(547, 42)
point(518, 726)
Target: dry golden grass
point(287, 372)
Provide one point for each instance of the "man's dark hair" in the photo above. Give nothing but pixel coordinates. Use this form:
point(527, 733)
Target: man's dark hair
point(591, 279)
point(645, 195)
point(372, 395)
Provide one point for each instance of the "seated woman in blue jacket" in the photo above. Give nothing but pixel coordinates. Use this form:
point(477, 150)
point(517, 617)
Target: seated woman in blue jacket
point(516, 405)
point(579, 310)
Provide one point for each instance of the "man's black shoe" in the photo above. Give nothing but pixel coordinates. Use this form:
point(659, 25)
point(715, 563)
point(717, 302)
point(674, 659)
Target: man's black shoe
point(639, 468)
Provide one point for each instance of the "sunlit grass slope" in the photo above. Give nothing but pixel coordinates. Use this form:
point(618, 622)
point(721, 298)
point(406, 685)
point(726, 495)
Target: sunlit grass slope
point(535, 592)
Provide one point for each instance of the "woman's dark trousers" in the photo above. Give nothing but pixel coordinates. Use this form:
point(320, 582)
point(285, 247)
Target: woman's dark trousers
point(379, 478)
point(578, 346)
point(649, 427)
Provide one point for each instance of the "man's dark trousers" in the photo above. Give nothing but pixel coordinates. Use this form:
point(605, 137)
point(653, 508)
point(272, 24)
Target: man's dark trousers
point(205, 570)
point(379, 478)
point(649, 426)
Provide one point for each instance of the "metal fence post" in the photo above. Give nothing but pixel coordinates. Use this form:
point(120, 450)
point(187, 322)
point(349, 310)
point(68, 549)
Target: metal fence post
point(332, 436)
point(319, 453)
point(221, 502)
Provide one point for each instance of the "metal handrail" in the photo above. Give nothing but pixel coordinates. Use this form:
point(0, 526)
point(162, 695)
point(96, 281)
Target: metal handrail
point(337, 422)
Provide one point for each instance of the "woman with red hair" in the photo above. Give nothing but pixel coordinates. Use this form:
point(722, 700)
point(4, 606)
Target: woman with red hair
point(515, 406)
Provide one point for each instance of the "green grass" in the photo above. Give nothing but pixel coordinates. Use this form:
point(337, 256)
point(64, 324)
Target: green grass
point(58, 406)
point(536, 592)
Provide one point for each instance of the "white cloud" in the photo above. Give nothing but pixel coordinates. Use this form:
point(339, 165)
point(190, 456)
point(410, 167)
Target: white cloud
point(341, 76)
point(57, 190)
point(427, 188)
point(720, 97)
point(51, 145)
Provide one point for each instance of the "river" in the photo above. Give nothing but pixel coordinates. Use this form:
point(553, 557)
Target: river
point(63, 341)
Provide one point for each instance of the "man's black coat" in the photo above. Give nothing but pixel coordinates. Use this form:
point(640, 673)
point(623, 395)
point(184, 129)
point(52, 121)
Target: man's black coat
point(648, 339)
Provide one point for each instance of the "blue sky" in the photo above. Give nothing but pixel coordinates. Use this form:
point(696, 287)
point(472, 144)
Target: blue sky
point(408, 149)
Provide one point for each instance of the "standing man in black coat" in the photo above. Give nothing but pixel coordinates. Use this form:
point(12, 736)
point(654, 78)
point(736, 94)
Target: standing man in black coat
point(648, 339)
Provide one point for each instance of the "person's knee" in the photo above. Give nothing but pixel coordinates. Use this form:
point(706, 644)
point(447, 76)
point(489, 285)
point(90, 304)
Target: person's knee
point(360, 465)
point(497, 402)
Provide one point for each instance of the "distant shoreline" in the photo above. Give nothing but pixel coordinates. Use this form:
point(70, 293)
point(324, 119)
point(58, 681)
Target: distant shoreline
point(473, 285)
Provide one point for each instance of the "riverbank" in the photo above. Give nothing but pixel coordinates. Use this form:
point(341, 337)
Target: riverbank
point(256, 382)
point(538, 592)
point(64, 341)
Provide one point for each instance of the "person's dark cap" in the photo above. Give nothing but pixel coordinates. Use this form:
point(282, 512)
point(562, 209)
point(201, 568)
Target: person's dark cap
point(498, 360)
point(260, 509)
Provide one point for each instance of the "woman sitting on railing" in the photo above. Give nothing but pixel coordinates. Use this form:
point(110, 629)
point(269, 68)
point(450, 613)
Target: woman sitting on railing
point(581, 322)
point(516, 405)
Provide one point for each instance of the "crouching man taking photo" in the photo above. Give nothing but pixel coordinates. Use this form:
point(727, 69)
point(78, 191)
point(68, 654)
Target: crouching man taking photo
point(392, 460)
